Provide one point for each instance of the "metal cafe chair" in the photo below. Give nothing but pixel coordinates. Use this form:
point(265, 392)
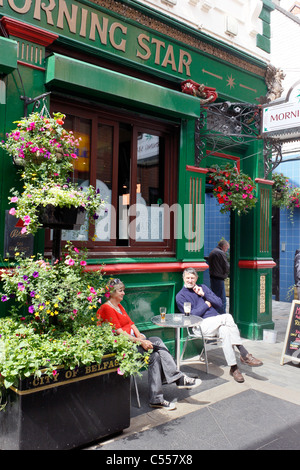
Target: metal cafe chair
point(196, 333)
point(136, 391)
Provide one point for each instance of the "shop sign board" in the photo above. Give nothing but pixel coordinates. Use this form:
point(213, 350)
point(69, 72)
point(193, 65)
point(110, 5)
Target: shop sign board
point(281, 119)
point(291, 346)
point(108, 34)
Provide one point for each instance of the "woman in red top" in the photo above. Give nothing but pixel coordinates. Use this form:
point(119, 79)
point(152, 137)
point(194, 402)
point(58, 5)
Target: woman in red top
point(162, 367)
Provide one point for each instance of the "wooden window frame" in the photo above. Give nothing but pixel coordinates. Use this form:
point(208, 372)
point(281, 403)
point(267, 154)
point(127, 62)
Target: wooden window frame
point(98, 115)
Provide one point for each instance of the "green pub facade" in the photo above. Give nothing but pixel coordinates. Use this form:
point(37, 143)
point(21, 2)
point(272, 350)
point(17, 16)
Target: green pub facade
point(123, 74)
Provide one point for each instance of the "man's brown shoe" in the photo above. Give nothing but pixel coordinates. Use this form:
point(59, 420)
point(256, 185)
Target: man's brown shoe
point(237, 375)
point(251, 361)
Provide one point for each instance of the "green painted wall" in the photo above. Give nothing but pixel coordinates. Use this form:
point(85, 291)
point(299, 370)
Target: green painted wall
point(236, 76)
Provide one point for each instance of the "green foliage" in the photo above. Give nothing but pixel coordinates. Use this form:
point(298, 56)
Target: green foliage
point(284, 195)
point(280, 190)
point(26, 352)
point(53, 320)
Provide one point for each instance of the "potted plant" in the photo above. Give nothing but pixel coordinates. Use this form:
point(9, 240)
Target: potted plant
point(234, 190)
point(44, 152)
point(54, 356)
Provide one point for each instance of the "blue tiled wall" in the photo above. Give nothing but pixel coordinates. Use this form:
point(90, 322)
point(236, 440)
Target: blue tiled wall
point(289, 234)
point(217, 226)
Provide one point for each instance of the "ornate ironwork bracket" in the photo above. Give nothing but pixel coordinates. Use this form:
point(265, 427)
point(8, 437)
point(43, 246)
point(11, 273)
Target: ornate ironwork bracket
point(35, 101)
point(226, 125)
point(272, 155)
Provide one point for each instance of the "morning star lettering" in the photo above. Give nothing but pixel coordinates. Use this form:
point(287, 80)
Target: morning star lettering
point(102, 31)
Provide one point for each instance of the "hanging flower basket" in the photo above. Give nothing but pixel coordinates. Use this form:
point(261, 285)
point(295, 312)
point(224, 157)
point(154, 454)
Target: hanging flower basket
point(28, 206)
point(39, 139)
point(280, 190)
point(234, 190)
point(46, 151)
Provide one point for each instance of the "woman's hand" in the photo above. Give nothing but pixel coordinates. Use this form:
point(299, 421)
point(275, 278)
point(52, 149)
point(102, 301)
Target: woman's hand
point(145, 343)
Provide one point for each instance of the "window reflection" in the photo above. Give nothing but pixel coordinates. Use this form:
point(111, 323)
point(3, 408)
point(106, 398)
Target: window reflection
point(150, 187)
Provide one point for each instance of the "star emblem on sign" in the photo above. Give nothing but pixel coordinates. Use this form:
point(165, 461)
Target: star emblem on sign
point(230, 82)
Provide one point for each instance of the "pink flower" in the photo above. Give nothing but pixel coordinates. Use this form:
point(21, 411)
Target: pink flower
point(70, 262)
point(244, 196)
point(92, 290)
point(23, 230)
point(12, 211)
point(82, 263)
point(76, 249)
point(14, 199)
point(26, 220)
point(119, 371)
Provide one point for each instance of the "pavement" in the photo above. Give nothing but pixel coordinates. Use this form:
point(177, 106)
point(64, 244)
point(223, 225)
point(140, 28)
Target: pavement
point(263, 413)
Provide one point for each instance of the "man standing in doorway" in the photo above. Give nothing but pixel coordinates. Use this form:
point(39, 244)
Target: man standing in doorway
point(218, 271)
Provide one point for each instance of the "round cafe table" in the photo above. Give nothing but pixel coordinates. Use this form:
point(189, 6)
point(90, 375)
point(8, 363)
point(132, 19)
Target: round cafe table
point(178, 321)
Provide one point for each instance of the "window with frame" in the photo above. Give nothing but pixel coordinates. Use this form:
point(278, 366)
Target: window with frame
point(133, 162)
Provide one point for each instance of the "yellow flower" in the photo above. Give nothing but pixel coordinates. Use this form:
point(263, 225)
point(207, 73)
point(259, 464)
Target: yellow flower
point(37, 296)
point(48, 311)
point(55, 312)
point(56, 305)
point(41, 307)
point(47, 302)
point(17, 253)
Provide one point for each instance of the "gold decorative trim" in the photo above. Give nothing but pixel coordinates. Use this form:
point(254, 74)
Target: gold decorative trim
point(90, 372)
point(58, 384)
point(167, 30)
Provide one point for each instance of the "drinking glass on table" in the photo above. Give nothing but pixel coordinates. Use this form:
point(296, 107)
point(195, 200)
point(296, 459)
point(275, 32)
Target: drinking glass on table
point(162, 311)
point(187, 308)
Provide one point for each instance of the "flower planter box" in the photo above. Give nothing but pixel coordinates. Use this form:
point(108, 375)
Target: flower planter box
point(64, 218)
point(70, 410)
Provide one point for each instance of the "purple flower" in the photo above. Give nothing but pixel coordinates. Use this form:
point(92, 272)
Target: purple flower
point(4, 298)
point(31, 309)
point(32, 293)
point(25, 278)
point(35, 274)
